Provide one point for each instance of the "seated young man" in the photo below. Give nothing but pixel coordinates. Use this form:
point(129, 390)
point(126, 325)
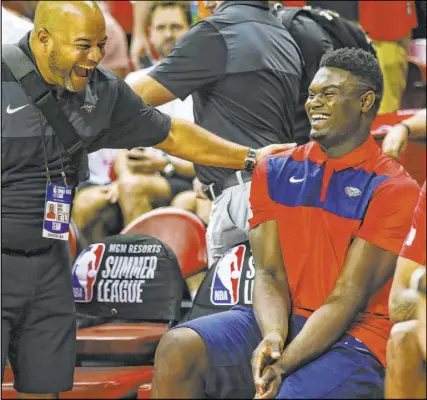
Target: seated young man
point(406, 374)
point(329, 219)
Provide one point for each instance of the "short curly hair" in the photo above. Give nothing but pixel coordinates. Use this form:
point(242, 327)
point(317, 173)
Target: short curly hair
point(361, 64)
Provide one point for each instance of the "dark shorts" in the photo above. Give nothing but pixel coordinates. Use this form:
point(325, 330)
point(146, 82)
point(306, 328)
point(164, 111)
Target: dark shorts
point(38, 319)
point(347, 370)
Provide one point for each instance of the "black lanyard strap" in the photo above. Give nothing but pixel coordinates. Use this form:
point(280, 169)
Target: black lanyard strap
point(26, 74)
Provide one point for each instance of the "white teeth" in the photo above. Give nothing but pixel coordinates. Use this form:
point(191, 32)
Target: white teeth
point(319, 116)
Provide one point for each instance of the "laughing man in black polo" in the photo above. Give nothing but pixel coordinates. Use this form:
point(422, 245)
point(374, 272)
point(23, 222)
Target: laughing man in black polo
point(66, 45)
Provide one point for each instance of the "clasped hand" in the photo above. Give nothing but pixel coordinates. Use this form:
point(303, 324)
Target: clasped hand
point(267, 373)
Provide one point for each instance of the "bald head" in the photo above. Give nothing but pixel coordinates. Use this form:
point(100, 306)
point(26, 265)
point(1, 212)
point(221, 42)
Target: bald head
point(68, 41)
point(52, 15)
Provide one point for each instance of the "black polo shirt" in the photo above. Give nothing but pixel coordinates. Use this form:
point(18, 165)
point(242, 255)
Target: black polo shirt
point(243, 70)
point(120, 119)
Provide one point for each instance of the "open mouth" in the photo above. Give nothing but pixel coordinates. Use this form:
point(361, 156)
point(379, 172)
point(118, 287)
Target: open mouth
point(83, 71)
point(319, 119)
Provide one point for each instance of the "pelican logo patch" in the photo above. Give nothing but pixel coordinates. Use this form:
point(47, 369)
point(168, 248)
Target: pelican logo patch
point(351, 191)
point(89, 108)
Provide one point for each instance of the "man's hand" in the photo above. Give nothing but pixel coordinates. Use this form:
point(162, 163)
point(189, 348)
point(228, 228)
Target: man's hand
point(145, 160)
point(273, 149)
point(269, 384)
point(111, 191)
point(395, 142)
point(267, 352)
point(198, 189)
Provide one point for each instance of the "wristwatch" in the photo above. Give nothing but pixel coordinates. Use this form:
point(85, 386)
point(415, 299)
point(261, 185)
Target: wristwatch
point(169, 170)
point(250, 160)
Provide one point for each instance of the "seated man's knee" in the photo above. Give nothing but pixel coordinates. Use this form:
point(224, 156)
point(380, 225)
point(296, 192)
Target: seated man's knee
point(181, 352)
point(185, 200)
point(403, 337)
point(136, 185)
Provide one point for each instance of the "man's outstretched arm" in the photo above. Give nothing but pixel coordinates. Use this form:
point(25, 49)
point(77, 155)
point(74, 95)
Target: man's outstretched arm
point(193, 143)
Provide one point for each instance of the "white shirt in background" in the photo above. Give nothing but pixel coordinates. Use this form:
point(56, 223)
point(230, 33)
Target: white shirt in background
point(13, 27)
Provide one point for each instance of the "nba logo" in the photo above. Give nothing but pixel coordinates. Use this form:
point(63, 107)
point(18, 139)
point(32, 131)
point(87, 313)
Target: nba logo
point(226, 280)
point(85, 271)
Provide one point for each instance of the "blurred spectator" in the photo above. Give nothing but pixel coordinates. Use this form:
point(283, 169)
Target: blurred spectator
point(243, 70)
point(406, 376)
point(116, 49)
point(13, 26)
point(396, 140)
point(25, 8)
point(389, 25)
point(139, 46)
point(122, 12)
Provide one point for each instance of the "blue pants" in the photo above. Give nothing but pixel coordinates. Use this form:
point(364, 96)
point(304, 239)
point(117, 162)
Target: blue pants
point(348, 370)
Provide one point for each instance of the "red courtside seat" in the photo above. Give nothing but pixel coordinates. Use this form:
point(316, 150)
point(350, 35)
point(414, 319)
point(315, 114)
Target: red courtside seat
point(183, 231)
point(414, 157)
point(144, 391)
point(125, 333)
point(96, 383)
point(120, 338)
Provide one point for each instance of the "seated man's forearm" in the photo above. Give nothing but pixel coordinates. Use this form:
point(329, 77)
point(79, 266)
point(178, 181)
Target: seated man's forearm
point(322, 329)
point(193, 143)
point(271, 303)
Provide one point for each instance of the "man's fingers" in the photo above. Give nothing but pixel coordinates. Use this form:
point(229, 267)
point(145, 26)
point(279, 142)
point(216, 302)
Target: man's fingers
point(257, 365)
point(261, 384)
point(277, 148)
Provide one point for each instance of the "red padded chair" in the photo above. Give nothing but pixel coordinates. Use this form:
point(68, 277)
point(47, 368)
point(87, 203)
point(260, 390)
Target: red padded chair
point(96, 383)
point(414, 157)
point(125, 339)
point(183, 231)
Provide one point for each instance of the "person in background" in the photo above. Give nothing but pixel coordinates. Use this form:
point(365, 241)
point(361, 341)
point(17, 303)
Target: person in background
point(389, 24)
point(406, 353)
point(13, 26)
point(396, 140)
point(116, 49)
point(241, 43)
point(139, 46)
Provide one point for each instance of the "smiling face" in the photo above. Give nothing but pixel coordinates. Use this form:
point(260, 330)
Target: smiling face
point(334, 106)
point(73, 48)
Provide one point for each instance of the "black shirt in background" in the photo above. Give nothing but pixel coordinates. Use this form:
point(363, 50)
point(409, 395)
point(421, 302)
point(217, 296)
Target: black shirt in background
point(243, 70)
